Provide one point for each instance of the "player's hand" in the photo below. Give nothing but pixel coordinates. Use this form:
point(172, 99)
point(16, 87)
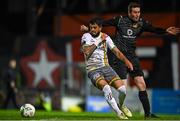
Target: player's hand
point(103, 37)
point(173, 30)
point(84, 28)
point(129, 65)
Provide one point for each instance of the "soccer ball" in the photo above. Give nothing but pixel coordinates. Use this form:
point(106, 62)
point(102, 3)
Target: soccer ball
point(27, 110)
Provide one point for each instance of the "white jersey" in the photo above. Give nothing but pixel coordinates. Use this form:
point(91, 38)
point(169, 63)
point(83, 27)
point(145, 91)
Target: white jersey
point(99, 58)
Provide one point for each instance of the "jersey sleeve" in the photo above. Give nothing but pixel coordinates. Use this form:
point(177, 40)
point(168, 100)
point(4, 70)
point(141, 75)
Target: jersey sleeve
point(85, 40)
point(111, 22)
point(150, 28)
point(110, 43)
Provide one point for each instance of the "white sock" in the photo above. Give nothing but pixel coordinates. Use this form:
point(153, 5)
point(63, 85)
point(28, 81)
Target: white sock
point(110, 99)
point(122, 94)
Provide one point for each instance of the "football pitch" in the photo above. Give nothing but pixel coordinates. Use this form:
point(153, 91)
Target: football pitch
point(84, 116)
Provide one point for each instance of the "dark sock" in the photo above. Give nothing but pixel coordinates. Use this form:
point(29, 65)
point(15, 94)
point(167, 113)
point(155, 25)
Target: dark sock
point(145, 102)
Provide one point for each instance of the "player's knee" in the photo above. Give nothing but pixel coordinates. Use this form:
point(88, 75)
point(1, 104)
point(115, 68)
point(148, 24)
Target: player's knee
point(122, 89)
point(139, 80)
point(107, 92)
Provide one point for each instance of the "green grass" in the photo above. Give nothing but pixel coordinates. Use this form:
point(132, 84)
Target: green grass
point(57, 115)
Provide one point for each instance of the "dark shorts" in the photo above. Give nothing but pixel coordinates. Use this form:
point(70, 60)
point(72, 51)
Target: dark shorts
point(121, 68)
point(104, 73)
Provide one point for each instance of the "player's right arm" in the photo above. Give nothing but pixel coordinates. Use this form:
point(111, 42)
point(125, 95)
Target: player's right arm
point(111, 22)
point(88, 50)
point(84, 28)
point(87, 47)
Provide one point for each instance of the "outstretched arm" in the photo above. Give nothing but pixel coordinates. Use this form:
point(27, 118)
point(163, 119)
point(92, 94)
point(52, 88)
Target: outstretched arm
point(173, 30)
point(150, 28)
point(111, 22)
point(121, 56)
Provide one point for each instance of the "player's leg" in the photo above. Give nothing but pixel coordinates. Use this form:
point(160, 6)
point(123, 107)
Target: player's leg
point(140, 83)
point(120, 87)
point(121, 71)
point(103, 85)
point(99, 81)
point(114, 81)
point(143, 96)
point(6, 101)
point(138, 77)
point(14, 100)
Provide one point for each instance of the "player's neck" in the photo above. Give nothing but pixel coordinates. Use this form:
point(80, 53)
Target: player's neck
point(97, 35)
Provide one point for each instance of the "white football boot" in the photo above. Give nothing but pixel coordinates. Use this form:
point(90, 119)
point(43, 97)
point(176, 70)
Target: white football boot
point(126, 111)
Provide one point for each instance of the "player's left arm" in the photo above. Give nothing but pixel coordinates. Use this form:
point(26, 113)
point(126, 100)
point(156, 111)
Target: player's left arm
point(118, 53)
point(173, 30)
point(121, 56)
point(150, 28)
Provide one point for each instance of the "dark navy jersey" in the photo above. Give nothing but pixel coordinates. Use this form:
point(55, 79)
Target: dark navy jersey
point(9, 75)
point(127, 30)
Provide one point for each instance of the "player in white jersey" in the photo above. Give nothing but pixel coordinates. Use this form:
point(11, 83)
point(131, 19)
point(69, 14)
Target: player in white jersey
point(94, 47)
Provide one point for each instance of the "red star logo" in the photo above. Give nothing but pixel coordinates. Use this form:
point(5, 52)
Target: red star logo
point(42, 68)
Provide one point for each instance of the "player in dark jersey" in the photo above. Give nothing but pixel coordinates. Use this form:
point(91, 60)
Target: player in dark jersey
point(128, 28)
point(9, 78)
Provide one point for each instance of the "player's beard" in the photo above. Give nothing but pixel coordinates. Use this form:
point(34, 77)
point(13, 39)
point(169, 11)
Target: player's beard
point(95, 35)
point(134, 19)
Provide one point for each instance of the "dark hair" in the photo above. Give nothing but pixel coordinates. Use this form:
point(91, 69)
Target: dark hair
point(133, 5)
point(96, 20)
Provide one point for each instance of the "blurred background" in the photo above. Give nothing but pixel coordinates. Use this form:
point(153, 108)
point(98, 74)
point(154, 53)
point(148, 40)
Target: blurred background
point(44, 37)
